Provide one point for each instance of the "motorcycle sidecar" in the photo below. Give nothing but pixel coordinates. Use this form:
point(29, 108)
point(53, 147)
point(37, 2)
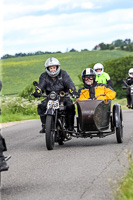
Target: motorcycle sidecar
point(95, 119)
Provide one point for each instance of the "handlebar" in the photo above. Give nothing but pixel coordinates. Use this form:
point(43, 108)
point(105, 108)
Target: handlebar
point(126, 85)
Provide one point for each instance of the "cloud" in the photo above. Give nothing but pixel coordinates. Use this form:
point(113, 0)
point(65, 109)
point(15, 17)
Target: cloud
point(26, 28)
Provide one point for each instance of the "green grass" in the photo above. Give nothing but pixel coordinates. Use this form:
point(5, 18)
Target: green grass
point(17, 73)
point(17, 117)
point(125, 188)
point(122, 102)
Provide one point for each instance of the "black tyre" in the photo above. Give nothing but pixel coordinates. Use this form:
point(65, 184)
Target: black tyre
point(117, 122)
point(119, 134)
point(132, 101)
point(50, 132)
point(119, 129)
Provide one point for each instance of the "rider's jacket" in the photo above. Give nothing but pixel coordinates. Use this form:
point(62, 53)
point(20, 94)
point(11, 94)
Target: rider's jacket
point(104, 78)
point(90, 92)
point(129, 81)
point(62, 82)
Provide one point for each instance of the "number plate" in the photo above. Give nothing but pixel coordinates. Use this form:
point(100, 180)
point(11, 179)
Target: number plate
point(54, 104)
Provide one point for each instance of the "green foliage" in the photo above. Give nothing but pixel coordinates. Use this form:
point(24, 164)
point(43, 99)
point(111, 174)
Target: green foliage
point(27, 91)
point(118, 43)
point(118, 71)
point(18, 106)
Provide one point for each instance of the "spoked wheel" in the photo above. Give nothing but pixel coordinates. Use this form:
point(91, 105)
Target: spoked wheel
point(50, 132)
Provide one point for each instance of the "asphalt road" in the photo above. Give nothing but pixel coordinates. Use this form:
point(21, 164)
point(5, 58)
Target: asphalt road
point(82, 169)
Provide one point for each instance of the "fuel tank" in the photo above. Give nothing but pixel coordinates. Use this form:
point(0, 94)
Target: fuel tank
point(93, 115)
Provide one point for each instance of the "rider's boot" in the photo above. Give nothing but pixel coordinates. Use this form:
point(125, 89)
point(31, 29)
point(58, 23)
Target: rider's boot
point(43, 129)
point(43, 120)
point(70, 123)
point(129, 106)
point(3, 164)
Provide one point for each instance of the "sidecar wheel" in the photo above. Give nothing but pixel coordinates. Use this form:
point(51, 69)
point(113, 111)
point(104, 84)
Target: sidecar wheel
point(119, 134)
point(117, 122)
point(50, 132)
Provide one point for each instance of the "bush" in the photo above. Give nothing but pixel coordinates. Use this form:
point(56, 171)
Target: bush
point(118, 71)
point(26, 92)
point(19, 105)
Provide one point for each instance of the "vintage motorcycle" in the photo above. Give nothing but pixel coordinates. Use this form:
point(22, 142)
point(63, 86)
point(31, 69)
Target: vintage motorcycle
point(95, 119)
point(55, 127)
point(130, 87)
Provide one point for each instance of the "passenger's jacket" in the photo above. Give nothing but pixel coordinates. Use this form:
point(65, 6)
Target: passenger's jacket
point(62, 82)
point(94, 91)
point(104, 78)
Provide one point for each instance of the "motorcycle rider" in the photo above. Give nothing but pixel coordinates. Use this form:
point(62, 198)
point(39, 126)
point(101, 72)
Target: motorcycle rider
point(55, 79)
point(3, 164)
point(101, 76)
point(92, 89)
point(129, 81)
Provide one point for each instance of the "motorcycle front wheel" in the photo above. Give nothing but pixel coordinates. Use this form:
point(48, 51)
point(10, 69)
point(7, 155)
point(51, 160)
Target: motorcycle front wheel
point(50, 132)
point(132, 100)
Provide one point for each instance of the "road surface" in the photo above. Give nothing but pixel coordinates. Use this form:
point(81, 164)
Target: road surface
point(82, 169)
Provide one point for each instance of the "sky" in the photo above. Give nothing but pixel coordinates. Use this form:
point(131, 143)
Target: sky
point(60, 25)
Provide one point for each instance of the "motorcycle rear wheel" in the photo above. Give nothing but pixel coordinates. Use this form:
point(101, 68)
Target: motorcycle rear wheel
point(50, 132)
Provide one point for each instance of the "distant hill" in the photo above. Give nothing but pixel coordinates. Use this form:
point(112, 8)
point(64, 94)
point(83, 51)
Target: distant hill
point(18, 72)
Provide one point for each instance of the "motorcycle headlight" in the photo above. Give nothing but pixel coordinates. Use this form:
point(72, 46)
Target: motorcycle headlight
point(53, 96)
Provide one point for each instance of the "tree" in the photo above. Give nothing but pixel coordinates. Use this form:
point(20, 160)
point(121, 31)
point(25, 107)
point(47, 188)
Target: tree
point(103, 46)
point(111, 46)
point(72, 50)
point(118, 43)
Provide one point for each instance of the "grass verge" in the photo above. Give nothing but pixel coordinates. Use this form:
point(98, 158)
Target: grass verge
point(125, 188)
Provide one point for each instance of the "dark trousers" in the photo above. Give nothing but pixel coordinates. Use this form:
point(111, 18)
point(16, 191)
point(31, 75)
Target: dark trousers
point(2, 145)
point(70, 110)
point(128, 96)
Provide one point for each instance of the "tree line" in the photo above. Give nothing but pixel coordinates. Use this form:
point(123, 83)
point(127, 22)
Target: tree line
point(119, 44)
point(126, 45)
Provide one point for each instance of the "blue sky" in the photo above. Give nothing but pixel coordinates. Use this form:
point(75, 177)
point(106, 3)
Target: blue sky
point(49, 25)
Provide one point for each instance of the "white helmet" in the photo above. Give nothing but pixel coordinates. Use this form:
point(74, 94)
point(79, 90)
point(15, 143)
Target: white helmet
point(52, 62)
point(98, 66)
point(130, 71)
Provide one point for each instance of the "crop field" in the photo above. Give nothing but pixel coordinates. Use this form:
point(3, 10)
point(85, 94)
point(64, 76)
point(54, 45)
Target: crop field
point(17, 73)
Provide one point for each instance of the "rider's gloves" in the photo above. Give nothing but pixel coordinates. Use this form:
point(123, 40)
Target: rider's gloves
point(37, 92)
point(74, 93)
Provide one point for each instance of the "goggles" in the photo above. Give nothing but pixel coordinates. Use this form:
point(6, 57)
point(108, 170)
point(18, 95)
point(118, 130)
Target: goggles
point(89, 77)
